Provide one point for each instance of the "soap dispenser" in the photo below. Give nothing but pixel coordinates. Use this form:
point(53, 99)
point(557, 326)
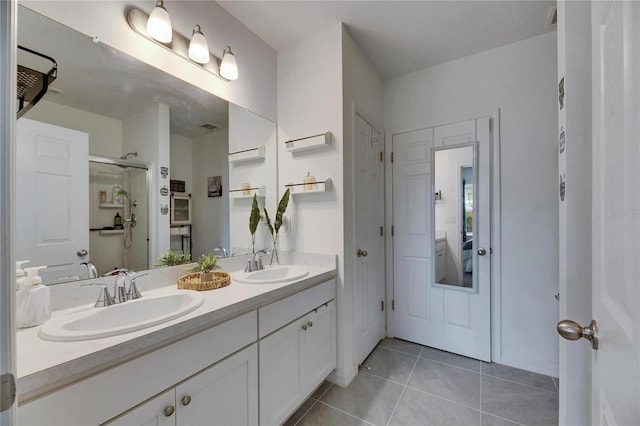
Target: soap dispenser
point(20, 274)
point(309, 182)
point(33, 300)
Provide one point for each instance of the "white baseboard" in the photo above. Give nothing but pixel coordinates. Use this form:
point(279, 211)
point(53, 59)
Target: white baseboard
point(547, 370)
point(342, 378)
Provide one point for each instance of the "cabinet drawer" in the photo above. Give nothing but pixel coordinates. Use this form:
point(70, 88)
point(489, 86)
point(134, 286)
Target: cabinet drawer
point(441, 245)
point(282, 312)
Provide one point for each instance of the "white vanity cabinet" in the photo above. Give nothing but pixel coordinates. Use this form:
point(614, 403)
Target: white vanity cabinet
point(224, 394)
point(441, 259)
point(299, 354)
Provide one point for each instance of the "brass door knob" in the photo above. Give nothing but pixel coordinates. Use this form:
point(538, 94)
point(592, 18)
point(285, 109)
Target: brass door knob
point(571, 330)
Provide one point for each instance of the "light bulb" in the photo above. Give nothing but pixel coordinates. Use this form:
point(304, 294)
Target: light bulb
point(198, 47)
point(159, 24)
point(228, 67)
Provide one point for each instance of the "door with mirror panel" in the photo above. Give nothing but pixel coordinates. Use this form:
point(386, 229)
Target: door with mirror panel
point(442, 237)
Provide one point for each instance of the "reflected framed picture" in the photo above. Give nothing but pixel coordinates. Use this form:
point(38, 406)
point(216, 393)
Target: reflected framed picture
point(214, 186)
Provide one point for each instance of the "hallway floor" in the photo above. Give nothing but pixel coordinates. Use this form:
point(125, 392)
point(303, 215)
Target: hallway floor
point(403, 383)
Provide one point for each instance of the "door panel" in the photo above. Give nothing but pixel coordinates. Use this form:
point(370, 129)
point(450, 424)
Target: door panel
point(447, 317)
point(616, 208)
point(52, 189)
point(369, 217)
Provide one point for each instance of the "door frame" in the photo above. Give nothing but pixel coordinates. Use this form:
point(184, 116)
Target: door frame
point(496, 232)
point(8, 17)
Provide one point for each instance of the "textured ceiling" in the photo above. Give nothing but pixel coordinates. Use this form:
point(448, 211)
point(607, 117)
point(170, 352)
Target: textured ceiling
point(399, 37)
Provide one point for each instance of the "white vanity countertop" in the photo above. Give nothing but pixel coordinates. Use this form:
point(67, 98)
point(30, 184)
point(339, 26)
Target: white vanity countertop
point(45, 365)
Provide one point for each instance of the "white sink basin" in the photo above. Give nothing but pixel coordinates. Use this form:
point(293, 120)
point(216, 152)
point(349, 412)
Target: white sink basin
point(134, 315)
point(272, 274)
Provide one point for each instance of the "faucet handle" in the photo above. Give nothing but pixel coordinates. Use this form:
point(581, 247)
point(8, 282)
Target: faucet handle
point(133, 293)
point(119, 292)
point(104, 299)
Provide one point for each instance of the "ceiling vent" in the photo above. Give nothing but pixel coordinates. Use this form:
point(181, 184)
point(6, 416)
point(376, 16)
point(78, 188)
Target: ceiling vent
point(33, 84)
point(209, 126)
point(552, 17)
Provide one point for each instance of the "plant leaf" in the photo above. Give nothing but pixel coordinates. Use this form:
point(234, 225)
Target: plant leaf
point(266, 215)
point(254, 218)
point(282, 207)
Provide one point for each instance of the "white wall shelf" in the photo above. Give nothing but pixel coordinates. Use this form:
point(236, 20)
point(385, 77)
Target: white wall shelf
point(111, 231)
point(247, 155)
point(308, 143)
point(110, 206)
point(248, 192)
point(309, 188)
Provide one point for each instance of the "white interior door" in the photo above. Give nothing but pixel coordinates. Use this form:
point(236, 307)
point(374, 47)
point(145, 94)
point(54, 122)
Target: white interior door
point(52, 189)
point(369, 220)
point(447, 317)
point(616, 212)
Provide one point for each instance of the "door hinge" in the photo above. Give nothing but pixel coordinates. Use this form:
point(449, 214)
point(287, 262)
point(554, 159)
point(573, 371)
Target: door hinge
point(382, 231)
point(393, 231)
point(393, 304)
point(392, 157)
point(382, 305)
point(8, 391)
point(381, 156)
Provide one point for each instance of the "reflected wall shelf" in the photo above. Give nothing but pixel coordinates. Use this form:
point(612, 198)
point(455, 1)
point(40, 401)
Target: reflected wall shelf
point(318, 186)
point(247, 155)
point(110, 206)
point(111, 231)
point(308, 143)
point(248, 192)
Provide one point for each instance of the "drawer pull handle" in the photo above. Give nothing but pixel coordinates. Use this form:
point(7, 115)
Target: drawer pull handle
point(168, 412)
point(186, 400)
point(310, 324)
point(304, 327)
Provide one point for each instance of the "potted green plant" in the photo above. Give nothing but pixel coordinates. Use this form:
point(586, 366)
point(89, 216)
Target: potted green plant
point(254, 219)
point(169, 258)
point(207, 263)
point(275, 228)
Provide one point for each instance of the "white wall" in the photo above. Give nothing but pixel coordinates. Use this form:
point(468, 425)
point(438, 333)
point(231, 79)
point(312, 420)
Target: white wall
point(181, 157)
point(520, 80)
point(574, 64)
point(210, 215)
point(310, 101)
point(148, 133)
point(105, 133)
point(255, 88)
point(248, 131)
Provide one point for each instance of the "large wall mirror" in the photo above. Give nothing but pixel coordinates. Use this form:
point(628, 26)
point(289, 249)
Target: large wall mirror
point(455, 172)
point(120, 106)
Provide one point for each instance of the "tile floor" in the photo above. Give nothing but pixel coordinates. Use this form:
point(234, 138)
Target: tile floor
point(403, 383)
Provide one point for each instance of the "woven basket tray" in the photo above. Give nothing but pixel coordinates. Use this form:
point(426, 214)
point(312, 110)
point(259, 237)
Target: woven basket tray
point(192, 281)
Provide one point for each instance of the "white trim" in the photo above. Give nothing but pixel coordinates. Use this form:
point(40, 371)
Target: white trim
point(388, 239)
point(496, 241)
point(546, 369)
point(8, 25)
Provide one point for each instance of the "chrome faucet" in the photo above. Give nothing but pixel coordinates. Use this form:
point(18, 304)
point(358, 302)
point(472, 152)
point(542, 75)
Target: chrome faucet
point(133, 293)
point(119, 288)
point(220, 252)
point(253, 265)
point(92, 272)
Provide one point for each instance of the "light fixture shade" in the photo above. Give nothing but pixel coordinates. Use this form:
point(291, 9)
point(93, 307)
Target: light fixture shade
point(198, 47)
point(159, 24)
point(228, 66)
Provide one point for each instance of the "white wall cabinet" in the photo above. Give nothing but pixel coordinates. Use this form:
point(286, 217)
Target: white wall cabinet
point(294, 360)
point(223, 394)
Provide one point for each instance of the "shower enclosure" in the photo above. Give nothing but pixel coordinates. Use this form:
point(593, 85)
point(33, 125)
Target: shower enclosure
point(118, 214)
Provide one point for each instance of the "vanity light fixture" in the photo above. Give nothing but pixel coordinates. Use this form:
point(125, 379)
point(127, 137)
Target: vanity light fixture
point(194, 50)
point(159, 24)
point(198, 47)
point(229, 66)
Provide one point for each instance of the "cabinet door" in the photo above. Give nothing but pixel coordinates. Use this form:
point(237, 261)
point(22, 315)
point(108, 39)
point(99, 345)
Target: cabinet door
point(320, 344)
point(282, 367)
point(158, 411)
point(224, 394)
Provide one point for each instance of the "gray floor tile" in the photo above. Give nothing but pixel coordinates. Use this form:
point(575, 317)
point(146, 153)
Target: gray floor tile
point(321, 390)
point(390, 364)
point(417, 408)
point(453, 359)
point(522, 404)
point(401, 345)
point(300, 412)
point(453, 383)
point(367, 397)
point(489, 420)
point(519, 376)
point(322, 414)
